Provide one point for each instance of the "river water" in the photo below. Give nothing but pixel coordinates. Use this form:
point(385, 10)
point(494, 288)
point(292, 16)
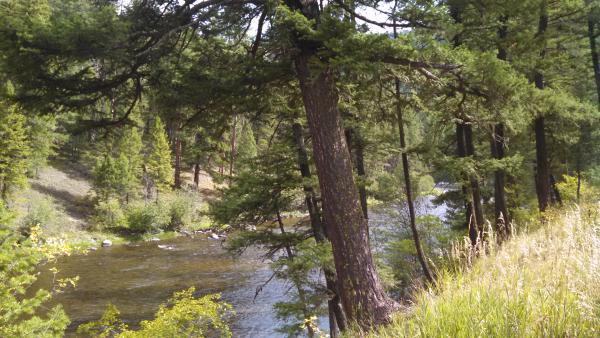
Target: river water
point(137, 278)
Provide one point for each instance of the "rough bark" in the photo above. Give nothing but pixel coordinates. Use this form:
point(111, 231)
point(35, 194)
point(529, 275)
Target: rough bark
point(362, 295)
point(178, 153)
point(498, 145)
point(354, 141)
point(594, 50)
point(542, 177)
point(233, 145)
point(465, 147)
point(197, 140)
point(501, 209)
point(474, 182)
point(360, 171)
point(461, 150)
point(337, 319)
point(408, 190)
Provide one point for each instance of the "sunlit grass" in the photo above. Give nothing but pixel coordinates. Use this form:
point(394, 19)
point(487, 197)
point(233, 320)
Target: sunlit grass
point(545, 283)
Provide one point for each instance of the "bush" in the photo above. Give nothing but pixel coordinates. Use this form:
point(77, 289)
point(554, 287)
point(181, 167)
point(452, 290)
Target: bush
point(110, 216)
point(186, 317)
point(142, 218)
point(19, 308)
point(180, 212)
point(40, 212)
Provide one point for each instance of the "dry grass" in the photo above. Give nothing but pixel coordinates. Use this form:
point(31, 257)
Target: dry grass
point(542, 283)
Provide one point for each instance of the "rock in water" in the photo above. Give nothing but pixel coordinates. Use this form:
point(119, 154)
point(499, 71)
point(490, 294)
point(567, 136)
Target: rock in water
point(154, 239)
point(106, 243)
point(214, 236)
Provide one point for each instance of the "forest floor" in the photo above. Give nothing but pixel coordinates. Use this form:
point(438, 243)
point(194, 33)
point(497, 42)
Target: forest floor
point(61, 200)
point(541, 283)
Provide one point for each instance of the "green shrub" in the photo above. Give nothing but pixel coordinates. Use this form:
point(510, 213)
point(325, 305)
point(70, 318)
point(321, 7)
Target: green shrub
point(568, 188)
point(185, 317)
point(142, 217)
point(180, 212)
point(110, 216)
point(19, 309)
point(40, 211)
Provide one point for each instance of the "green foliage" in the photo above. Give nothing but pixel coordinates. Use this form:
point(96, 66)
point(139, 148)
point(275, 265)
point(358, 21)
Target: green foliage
point(247, 143)
point(109, 215)
point(159, 158)
point(146, 217)
point(109, 325)
point(184, 316)
point(139, 217)
point(14, 149)
point(180, 212)
point(131, 146)
point(19, 309)
point(538, 284)
point(43, 140)
point(567, 188)
point(40, 212)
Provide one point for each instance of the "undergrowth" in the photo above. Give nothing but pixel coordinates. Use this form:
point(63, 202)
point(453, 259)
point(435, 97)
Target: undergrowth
point(541, 283)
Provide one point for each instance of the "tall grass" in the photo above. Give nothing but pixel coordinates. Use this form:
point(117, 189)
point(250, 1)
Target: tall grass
point(541, 283)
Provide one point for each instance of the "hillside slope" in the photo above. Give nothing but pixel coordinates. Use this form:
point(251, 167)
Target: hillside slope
point(540, 284)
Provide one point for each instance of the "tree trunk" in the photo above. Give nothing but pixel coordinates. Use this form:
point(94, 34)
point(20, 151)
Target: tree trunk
point(197, 140)
point(178, 151)
point(542, 177)
point(197, 175)
point(354, 141)
point(337, 319)
point(363, 298)
point(360, 170)
point(464, 140)
point(408, 190)
point(593, 50)
point(501, 210)
point(233, 148)
point(466, 190)
point(475, 191)
point(498, 145)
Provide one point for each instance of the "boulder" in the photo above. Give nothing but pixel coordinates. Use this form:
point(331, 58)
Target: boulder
point(106, 243)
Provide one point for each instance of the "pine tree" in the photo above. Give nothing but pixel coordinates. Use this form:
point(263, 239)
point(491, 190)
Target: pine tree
point(106, 177)
point(14, 149)
point(246, 148)
point(42, 139)
point(131, 159)
point(159, 158)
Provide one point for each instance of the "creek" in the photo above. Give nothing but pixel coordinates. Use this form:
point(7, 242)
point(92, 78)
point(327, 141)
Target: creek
point(138, 277)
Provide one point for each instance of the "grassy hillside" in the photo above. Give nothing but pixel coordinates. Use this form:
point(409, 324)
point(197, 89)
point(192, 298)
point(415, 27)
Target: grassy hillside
point(61, 200)
point(544, 283)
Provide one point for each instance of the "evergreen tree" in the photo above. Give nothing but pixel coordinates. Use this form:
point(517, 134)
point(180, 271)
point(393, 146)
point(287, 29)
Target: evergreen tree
point(42, 139)
point(14, 149)
point(159, 157)
point(131, 159)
